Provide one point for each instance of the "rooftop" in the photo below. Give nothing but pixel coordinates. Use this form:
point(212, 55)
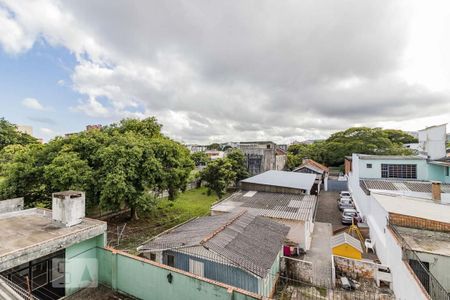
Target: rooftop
point(273, 205)
point(391, 157)
point(285, 179)
point(415, 207)
point(345, 238)
point(426, 240)
point(27, 231)
point(249, 241)
point(401, 185)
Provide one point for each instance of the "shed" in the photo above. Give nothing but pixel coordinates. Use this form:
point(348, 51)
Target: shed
point(347, 246)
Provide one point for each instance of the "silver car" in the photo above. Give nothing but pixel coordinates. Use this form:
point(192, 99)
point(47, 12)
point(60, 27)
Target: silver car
point(345, 203)
point(348, 215)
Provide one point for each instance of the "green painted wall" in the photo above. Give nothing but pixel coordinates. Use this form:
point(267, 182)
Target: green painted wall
point(267, 284)
point(438, 173)
point(148, 281)
point(81, 264)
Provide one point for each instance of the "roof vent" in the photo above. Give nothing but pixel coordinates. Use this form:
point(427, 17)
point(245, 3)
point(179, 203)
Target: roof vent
point(68, 208)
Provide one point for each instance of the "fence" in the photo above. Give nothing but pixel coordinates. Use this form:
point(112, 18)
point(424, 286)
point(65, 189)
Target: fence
point(14, 291)
point(290, 289)
point(428, 281)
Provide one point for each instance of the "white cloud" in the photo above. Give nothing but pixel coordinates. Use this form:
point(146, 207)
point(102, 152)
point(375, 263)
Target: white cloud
point(47, 131)
point(33, 103)
point(245, 70)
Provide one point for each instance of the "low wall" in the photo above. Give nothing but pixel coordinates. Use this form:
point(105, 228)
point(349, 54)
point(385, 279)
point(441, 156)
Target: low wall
point(11, 205)
point(356, 269)
point(147, 280)
point(297, 269)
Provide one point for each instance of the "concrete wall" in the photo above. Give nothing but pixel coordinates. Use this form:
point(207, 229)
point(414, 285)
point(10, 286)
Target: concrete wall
point(11, 205)
point(439, 267)
point(81, 264)
point(405, 284)
point(148, 280)
point(247, 186)
point(356, 269)
point(433, 141)
point(375, 171)
point(297, 269)
point(297, 232)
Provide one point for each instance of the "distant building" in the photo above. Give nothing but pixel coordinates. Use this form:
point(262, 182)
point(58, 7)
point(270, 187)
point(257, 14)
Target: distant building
point(25, 129)
point(261, 156)
point(312, 167)
point(215, 154)
point(196, 148)
point(94, 127)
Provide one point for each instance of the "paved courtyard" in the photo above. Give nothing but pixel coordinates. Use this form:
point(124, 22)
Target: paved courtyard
point(327, 210)
point(320, 253)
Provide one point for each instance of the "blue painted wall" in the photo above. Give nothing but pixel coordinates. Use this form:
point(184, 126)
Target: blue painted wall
point(217, 271)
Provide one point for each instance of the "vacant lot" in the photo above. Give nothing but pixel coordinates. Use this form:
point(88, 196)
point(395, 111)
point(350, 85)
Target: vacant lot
point(167, 214)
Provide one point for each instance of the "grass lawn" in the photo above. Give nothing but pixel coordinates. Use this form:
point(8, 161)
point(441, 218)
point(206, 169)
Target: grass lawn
point(190, 204)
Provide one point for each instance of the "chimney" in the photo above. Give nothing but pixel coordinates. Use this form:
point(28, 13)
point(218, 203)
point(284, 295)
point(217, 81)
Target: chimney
point(68, 208)
point(436, 191)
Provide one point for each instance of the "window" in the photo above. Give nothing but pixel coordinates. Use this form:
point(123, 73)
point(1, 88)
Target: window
point(369, 166)
point(407, 171)
point(170, 260)
point(153, 256)
point(196, 267)
point(447, 173)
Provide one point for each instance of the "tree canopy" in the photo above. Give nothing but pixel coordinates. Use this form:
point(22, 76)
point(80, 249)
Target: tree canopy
point(122, 165)
point(219, 174)
point(10, 136)
point(364, 140)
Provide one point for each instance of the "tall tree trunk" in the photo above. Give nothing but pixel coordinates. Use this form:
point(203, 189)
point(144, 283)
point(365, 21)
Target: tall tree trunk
point(134, 214)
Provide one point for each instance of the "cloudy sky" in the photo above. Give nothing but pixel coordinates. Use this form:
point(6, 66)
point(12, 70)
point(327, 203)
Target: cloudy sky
point(226, 70)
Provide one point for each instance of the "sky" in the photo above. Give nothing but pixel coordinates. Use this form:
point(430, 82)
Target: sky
point(215, 71)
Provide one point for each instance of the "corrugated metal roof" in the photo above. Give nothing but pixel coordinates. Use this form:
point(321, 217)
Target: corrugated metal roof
point(391, 157)
point(243, 239)
point(274, 205)
point(401, 185)
point(345, 238)
point(293, 180)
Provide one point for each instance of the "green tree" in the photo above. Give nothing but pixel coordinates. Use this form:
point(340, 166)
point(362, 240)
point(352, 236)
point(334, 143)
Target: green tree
point(200, 158)
point(10, 136)
point(400, 137)
point(68, 171)
point(237, 160)
point(176, 165)
point(218, 175)
point(213, 146)
point(119, 166)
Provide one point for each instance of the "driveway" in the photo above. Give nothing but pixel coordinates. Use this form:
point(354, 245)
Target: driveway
point(320, 254)
point(327, 210)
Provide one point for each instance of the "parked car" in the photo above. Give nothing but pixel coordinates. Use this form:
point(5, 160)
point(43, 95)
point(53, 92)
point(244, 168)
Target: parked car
point(348, 215)
point(345, 203)
point(345, 194)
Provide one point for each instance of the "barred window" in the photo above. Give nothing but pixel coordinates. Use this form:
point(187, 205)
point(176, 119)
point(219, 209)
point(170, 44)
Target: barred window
point(407, 171)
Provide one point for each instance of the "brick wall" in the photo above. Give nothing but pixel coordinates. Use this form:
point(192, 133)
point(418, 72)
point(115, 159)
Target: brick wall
point(420, 223)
